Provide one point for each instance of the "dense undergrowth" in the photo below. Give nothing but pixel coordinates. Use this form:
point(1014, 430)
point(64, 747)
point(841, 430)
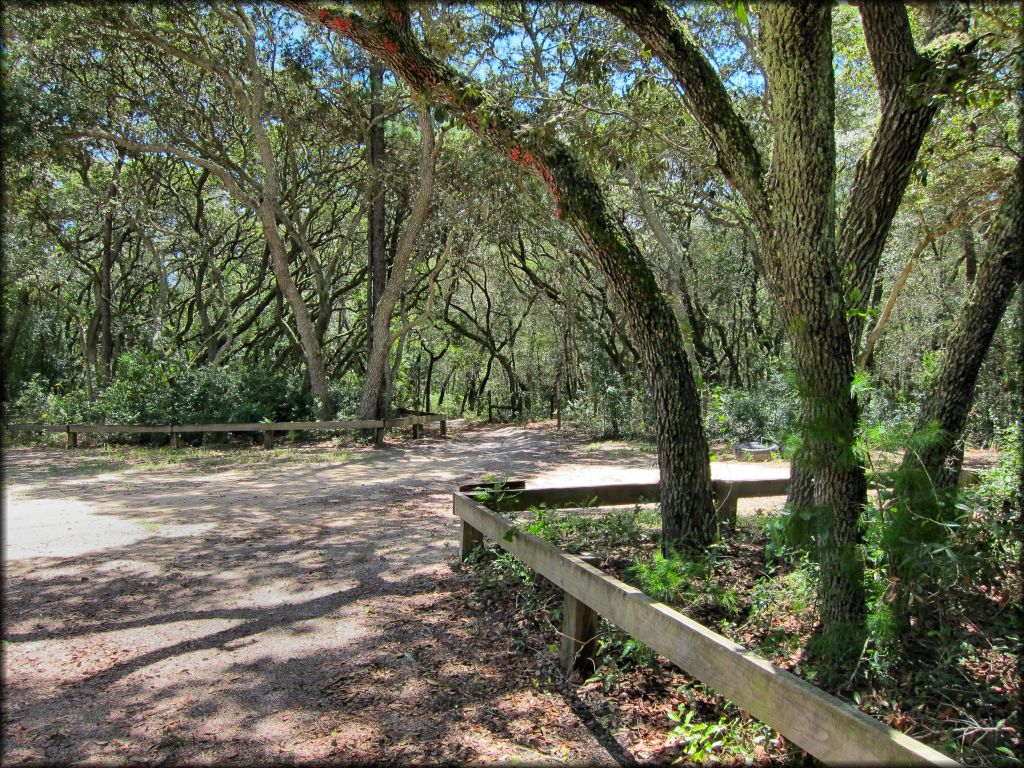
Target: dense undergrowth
point(950, 678)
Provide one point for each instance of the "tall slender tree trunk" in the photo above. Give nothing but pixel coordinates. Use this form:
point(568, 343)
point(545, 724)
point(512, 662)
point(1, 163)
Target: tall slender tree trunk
point(106, 273)
point(376, 383)
point(106, 297)
point(377, 271)
point(267, 212)
point(304, 322)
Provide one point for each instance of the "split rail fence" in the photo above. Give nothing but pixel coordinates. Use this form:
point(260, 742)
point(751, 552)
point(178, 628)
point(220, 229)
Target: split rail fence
point(417, 422)
point(823, 725)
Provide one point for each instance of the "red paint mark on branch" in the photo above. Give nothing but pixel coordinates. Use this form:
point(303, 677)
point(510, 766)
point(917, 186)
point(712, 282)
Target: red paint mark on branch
point(324, 13)
point(396, 16)
point(537, 166)
point(342, 25)
point(389, 45)
point(425, 74)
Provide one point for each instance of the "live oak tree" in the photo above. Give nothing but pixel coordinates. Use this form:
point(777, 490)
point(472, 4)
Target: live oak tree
point(814, 273)
point(261, 187)
point(388, 292)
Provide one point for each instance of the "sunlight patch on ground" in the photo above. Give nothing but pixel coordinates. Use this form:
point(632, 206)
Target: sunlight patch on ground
point(64, 528)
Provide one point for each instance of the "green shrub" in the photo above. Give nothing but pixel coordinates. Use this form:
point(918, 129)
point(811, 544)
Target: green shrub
point(141, 392)
point(32, 404)
point(769, 409)
point(39, 404)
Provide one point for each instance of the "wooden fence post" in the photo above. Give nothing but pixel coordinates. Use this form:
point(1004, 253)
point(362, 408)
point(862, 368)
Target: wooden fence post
point(444, 428)
point(72, 439)
point(176, 440)
point(268, 439)
point(417, 431)
point(490, 409)
point(378, 437)
point(579, 633)
point(471, 539)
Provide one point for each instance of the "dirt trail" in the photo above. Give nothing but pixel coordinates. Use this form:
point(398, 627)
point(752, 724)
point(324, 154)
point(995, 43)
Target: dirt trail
point(283, 609)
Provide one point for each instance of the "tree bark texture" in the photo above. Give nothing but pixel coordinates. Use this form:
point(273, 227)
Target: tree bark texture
point(687, 509)
point(797, 48)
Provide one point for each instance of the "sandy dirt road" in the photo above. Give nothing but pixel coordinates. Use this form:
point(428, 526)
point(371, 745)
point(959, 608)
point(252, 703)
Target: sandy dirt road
point(290, 607)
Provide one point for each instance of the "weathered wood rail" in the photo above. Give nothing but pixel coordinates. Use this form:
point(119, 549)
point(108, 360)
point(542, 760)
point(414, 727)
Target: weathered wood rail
point(72, 431)
point(514, 410)
point(516, 497)
point(823, 725)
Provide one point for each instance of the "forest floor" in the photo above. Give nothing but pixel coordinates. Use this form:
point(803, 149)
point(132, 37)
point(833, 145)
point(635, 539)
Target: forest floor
point(236, 605)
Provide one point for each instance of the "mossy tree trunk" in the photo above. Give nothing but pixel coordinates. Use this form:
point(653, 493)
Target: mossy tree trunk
point(948, 400)
point(797, 48)
point(793, 209)
point(793, 212)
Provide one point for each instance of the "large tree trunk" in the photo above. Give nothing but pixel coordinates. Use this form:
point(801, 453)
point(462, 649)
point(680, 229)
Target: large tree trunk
point(688, 514)
point(797, 45)
point(377, 271)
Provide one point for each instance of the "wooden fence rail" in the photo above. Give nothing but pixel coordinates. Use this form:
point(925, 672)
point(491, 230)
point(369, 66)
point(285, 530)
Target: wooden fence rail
point(516, 497)
point(820, 723)
point(268, 429)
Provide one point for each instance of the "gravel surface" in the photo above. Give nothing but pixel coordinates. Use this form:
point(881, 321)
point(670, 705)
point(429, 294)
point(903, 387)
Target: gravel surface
point(291, 605)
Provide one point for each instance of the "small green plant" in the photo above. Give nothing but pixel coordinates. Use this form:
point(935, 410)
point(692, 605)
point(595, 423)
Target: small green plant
point(687, 583)
point(698, 740)
point(616, 652)
point(492, 497)
point(663, 578)
point(730, 739)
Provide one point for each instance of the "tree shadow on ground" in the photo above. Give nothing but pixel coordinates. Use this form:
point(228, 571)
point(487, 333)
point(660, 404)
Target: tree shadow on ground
point(313, 616)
